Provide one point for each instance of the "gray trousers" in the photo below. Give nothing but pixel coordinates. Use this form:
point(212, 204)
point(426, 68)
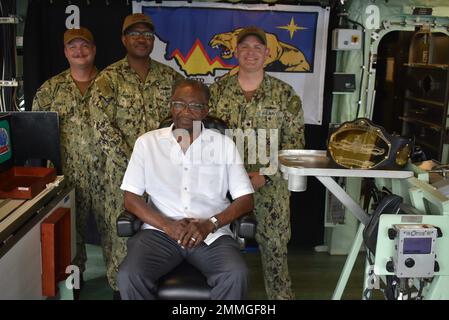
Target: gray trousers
point(152, 254)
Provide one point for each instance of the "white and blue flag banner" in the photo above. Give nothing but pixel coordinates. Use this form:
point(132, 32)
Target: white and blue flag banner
point(198, 40)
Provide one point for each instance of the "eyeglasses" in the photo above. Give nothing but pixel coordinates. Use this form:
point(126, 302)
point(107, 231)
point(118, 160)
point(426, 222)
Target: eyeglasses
point(180, 105)
point(145, 34)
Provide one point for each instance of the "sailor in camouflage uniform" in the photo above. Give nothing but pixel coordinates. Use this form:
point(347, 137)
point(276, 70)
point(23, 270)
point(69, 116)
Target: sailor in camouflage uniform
point(130, 98)
point(68, 94)
point(251, 99)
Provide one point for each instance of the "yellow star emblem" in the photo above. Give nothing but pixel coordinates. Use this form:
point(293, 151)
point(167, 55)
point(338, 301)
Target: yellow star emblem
point(292, 27)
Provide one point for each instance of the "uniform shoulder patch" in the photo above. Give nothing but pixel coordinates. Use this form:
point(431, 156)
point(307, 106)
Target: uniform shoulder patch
point(294, 105)
point(42, 100)
point(103, 86)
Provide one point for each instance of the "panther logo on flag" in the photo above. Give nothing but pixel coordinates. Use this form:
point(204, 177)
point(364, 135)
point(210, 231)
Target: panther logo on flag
point(282, 57)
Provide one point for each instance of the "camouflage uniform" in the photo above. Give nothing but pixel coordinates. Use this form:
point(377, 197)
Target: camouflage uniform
point(274, 105)
point(123, 108)
point(81, 163)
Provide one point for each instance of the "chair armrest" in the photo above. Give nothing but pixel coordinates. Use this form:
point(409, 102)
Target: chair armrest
point(245, 226)
point(127, 224)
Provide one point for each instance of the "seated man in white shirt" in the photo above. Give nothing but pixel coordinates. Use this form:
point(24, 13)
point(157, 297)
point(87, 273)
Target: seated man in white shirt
point(186, 170)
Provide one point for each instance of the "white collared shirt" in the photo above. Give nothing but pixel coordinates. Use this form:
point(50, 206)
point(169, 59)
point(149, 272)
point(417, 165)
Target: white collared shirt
point(190, 185)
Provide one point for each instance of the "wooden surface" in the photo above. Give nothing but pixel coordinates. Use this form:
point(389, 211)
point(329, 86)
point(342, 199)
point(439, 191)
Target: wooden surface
point(25, 182)
point(12, 211)
point(314, 275)
point(7, 206)
point(56, 251)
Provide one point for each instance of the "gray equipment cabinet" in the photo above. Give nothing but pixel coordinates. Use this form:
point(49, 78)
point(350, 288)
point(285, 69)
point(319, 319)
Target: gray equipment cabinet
point(426, 94)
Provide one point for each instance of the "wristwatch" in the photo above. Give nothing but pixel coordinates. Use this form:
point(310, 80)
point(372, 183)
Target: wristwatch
point(268, 181)
point(215, 223)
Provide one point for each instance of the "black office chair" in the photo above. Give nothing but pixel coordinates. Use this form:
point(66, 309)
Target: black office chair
point(185, 282)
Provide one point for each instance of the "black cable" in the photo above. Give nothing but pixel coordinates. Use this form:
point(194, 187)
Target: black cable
point(13, 38)
point(421, 287)
point(2, 61)
point(3, 49)
point(8, 54)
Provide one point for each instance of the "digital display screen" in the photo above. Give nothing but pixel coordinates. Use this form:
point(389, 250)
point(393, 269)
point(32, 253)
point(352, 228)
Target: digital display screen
point(417, 245)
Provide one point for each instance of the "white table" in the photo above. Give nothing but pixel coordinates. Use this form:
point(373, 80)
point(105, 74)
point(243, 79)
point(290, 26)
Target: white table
point(297, 165)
